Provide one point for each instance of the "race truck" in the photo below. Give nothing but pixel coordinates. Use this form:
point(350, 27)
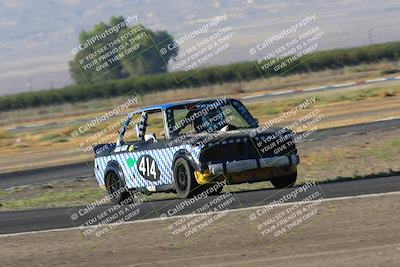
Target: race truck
point(189, 146)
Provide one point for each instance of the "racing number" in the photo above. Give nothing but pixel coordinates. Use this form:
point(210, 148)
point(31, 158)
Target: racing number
point(148, 168)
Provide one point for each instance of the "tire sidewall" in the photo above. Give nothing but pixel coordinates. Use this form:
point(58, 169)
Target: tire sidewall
point(190, 178)
point(285, 181)
point(118, 197)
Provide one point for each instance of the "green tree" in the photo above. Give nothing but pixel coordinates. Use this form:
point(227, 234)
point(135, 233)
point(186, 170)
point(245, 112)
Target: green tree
point(125, 51)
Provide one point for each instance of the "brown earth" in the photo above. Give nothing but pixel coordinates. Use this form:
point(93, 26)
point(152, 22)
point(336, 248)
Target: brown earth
point(351, 232)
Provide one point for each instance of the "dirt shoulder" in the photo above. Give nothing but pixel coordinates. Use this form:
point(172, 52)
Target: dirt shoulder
point(350, 232)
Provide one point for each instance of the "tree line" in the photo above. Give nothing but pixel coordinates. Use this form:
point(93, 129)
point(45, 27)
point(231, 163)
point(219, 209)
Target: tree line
point(330, 59)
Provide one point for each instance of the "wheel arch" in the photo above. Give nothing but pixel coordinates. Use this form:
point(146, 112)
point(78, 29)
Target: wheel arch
point(183, 153)
point(113, 166)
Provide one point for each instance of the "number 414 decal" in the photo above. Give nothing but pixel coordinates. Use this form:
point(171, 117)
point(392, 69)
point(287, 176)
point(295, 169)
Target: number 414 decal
point(148, 168)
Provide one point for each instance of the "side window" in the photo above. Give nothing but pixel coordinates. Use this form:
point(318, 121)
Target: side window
point(130, 132)
point(232, 116)
point(180, 115)
point(155, 125)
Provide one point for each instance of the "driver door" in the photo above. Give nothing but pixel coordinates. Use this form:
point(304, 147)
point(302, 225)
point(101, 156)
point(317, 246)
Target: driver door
point(143, 154)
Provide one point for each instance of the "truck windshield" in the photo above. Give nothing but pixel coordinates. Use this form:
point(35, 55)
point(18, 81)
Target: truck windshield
point(208, 116)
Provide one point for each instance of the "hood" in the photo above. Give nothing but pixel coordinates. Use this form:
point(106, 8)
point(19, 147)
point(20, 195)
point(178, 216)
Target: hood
point(241, 135)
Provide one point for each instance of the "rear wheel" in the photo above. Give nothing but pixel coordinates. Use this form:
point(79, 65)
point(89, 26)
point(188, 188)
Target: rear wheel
point(115, 188)
point(284, 181)
point(185, 182)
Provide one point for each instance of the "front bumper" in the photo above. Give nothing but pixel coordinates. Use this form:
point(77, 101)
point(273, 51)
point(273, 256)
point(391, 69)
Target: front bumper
point(253, 164)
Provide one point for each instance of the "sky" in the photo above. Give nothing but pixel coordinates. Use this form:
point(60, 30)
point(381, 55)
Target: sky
point(37, 36)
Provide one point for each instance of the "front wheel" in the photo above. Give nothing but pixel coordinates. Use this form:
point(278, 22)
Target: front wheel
point(185, 182)
point(284, 181)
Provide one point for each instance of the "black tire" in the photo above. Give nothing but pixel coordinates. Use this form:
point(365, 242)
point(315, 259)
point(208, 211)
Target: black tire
point(113, 184)
point(185, 182)
point(284, 181)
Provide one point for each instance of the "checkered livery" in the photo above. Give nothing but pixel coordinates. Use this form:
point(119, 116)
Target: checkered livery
point(164, 160)
point(142, 125)
point(158, 156)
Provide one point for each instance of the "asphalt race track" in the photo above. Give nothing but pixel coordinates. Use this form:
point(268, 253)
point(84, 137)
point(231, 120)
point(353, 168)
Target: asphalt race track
point(56, 218)
point(83, 170)
point(46, 174)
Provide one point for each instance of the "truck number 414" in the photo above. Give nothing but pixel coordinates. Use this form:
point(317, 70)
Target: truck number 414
point(147, 167)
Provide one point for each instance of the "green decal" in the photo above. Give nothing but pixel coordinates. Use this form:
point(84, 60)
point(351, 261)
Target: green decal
point(131, 162)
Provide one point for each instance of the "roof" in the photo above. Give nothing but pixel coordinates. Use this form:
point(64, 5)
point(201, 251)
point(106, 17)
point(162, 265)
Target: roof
point(172, 104)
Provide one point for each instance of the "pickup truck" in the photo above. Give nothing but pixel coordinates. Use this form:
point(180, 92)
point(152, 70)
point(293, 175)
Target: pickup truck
point(190, 146)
